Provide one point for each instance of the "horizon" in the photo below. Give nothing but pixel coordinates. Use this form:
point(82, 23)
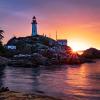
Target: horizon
point(76, 21)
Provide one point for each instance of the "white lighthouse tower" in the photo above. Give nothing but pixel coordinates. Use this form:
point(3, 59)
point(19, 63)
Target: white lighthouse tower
point(34, 26)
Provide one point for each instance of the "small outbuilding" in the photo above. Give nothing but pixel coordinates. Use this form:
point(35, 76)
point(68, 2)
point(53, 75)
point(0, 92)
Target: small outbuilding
point(11, 47)
point(62, 42)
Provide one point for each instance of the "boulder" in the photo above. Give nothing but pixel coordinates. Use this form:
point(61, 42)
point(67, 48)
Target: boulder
point(22, 63)
point(39, 59)
point(4, 89)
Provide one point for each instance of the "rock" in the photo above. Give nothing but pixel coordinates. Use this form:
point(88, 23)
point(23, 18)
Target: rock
point(3, 61)
point(4, 89)
point(33, 60)
point(39, 59)
point(40, 50)
point(31, 44)
point(11, 95)
point(91, 53)
point(23, 62)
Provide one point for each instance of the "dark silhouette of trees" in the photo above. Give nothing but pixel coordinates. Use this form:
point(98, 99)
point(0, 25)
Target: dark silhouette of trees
point(2, 50)
point(1, 35)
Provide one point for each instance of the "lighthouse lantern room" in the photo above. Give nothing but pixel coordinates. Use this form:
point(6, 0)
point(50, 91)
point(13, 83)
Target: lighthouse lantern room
point(34, 26)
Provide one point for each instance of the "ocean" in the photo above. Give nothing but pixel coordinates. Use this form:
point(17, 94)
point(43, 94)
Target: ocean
point(79, 81)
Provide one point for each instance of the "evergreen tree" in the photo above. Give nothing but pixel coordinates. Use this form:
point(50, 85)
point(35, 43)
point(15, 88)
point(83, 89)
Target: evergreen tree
point(1, 46)
point(1, 36)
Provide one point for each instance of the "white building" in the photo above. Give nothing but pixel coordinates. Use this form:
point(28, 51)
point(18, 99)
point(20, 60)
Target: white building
point(34, 26)
point(62, 42)
point(11, 47)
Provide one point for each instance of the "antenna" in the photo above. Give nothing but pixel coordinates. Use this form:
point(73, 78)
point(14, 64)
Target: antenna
point(43, 34)
point(56, 36)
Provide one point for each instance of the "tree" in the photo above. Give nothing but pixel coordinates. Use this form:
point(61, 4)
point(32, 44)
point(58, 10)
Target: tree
point(1, 35)
point(2, 50)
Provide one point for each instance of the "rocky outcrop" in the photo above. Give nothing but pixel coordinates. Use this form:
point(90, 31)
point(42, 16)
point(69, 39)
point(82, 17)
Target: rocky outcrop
point(29, 45)
point(4, 89)
point(47, 57)
point(33, 60)
point(39, 59)
point(40, 50)
point(91, 53)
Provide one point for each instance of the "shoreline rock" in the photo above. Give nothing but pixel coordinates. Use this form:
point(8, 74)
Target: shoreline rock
point(91, 53)
point(39, 50)
point(6, 94)
point(37, 60)
point(11, 95)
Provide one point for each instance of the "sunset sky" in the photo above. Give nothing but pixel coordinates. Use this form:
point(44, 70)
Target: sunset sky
point(75, 20)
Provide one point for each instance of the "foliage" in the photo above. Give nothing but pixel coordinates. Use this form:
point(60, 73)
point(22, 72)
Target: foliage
point(1, 35)
point(2, 49)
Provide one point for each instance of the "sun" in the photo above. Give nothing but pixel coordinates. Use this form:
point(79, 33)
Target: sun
point(77, 46)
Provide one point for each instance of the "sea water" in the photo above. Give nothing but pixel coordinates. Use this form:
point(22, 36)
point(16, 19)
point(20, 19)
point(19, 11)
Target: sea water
point(80, 81)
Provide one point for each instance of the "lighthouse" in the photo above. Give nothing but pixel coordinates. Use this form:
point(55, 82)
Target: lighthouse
point(34, 26)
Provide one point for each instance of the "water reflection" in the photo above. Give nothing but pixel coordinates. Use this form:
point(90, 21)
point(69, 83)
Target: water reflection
point(82, 81)
point(35, 74)
point(1, 75)
point(22, 79)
